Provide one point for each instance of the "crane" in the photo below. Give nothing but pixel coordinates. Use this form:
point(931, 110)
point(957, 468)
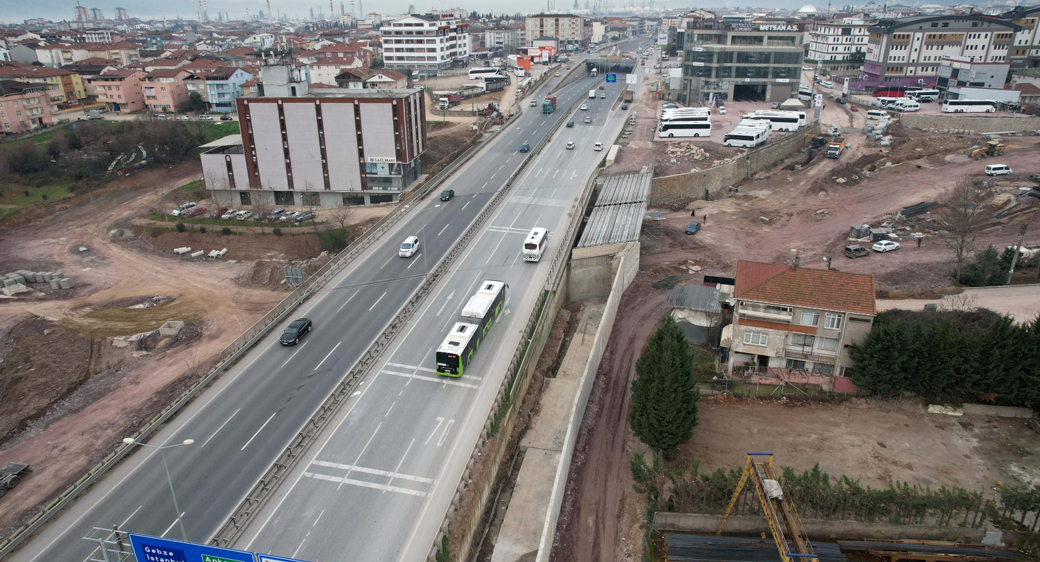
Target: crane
point(780, 513)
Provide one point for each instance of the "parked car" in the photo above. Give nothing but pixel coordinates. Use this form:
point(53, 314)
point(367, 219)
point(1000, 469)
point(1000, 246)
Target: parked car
point(183, 208)
point(205, 117)
point(196, 212)
point(841, 101)
point(225, 118)
point(722, 109)
point(305, 216)
point(570, 145)
point(243, 215)
point(776, 105)
point(856, 251)
point(275, 214)
point(296, 330)
point(885, 246)
point(183, 118)
point(228, 215)
point(526, 147)
point(570, 123)
point(447, 194)
point(853, 108)
point(669, 105)
point(998, 170)
point(409, 247)
point(693, 227)
point(218, 212)
point(598, 146)
point(287, 217)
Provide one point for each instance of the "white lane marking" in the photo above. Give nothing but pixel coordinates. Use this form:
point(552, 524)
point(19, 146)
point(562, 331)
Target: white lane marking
point(374, 471)
point(389, 409)
point(538, 172)
point(297, 551)
point(327, 356)
point(502, 166)
point(295, 352)
point(481, 187)
point(398, 467)
point(363, 449)
point(318, 519)
point(377, 301)
point(446, 301)
point(493, 175)
point(556, 172)
point(440, 420)
point(219, 428)
point(507, 230)
point(387, 261)
point(500, 242)
point(426, 369)
point(363, 484)
point(123, 524)
point(444, 435)
point(413, 262)
point(348, 300)
point(574, 174)
point(258, 432)
point(445, 228)
point(445, 380)
point(553, 193)
point(171, 525)
point(466, 205)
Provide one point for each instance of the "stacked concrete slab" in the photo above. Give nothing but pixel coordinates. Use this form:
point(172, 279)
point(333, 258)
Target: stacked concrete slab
point(18, 281)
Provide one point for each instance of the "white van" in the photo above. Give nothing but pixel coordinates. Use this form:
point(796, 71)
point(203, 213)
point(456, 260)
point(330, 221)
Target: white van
point(907, 105)
point(876, 115)
point(998, 170)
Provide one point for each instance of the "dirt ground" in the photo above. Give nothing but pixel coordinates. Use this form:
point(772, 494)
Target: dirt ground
point(879, 443)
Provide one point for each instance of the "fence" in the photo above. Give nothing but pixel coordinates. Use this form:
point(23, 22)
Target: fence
point(233, 351)
point(504, 412)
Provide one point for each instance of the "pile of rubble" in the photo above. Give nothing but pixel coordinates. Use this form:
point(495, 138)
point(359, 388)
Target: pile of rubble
point(677, 149)
point(18, 281)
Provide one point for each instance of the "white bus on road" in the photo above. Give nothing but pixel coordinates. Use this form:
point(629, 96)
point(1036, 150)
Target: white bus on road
point(534, 244)
point(475, 73)
point(670, 129)
point(969, 106)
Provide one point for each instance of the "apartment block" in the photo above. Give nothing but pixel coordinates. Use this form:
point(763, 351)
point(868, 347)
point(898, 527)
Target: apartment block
point(840, 45)
point(336, 147)
point(164, 89)
point(568, 29)
point(426, 44)
point(908, 51)
point(797, 323)
point(120, 90)
point(23, 107)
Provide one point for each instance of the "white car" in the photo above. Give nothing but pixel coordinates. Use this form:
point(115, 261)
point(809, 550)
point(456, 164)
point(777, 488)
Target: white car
point(243, 215)
point(230, 214)
point(885, 246)
point(597, 146)
point(409, 247)
point(182, 209)
point(998, 170)
point(570, 145)
point(183, 118)
point(584, 107)
point(205, 117)
point(809, 68)
point(722, 110)
point(827, 84)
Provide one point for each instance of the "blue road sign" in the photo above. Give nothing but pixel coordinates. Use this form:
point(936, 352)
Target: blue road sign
point(269, 558)
point(611, 77)
point(155, 549)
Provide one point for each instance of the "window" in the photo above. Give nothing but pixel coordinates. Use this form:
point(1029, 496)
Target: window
point(795, 364)
point(833, 321)
point(823, 368)
point(827, 344)
point(802, 340)
point(756, 338)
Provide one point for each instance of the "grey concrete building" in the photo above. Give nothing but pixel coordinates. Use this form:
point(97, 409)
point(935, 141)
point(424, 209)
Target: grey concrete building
point(741, 61)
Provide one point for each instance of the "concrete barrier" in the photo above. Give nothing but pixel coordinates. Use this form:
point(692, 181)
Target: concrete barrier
point(997, 411)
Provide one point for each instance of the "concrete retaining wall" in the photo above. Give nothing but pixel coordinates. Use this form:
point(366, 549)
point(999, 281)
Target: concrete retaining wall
point(694, 185)
point(591, 272)
point(998, 411)
point(581, 400)
point(977, 123)
point(818, 529)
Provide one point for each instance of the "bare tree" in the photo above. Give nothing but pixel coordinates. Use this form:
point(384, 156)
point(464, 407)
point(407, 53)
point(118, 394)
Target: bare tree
point(259, 208)
point(963, 302)
point(964, 210)
point(341, 216)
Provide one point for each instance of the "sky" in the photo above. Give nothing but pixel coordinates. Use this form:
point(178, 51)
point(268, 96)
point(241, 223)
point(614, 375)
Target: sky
point(16, 11)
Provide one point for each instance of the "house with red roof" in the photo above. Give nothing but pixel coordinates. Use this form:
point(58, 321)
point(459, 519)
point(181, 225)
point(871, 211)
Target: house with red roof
point(796, 324)
point(164, 89)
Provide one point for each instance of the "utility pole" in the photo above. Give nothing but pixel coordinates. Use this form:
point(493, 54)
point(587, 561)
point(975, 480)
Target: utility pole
point(1018, 250)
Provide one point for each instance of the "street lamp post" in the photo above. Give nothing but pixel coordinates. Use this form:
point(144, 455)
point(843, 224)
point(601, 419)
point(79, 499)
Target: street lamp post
point(161, 449)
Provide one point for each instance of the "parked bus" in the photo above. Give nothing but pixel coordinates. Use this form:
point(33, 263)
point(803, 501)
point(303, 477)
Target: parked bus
point(672, 129)
point(779, 120)
point(746, 137)
point(685, 111)
point(475, 73)
point(534, 244)
point(671, 118)
point(969, 106)
point(805, 95)
point(456, 351)
point(893, 91)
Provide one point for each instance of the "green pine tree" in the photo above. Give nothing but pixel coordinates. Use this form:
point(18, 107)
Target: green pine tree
point(664, 397)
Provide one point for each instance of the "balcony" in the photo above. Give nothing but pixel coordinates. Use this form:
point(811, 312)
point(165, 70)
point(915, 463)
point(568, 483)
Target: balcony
point(808, 354)
point(761, 312)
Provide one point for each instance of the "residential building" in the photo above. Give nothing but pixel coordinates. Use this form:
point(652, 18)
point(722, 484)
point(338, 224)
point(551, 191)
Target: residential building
point(259, 42)
point(66, 87)
point(23, 106)
point(86, 69)
point(908, 51)
point(82, 14)
point(425, 44)
point(569, 29)
point(962, 78)
point(223, 87)
point(797, 323)
point(5, 55)
point(599, 31)
point(841, 45)
point(506, 39)
point(741, 61)
point(164, 89)
point(333, 147)
point(122, 15)
point(360, 78)
point(1025, 52)
point(120, 90)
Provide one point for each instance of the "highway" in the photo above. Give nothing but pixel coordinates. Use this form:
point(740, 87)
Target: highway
point(241, 425)
point(388, 466)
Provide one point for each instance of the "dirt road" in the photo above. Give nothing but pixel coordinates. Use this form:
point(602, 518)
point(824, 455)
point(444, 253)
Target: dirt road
point(599, 519)
point(1022, 302)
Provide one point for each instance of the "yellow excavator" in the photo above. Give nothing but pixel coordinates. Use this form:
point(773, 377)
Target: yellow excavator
point(991, 148)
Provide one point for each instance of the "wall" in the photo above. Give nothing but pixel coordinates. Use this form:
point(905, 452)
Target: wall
point(591, 272)
point(998, 411)
point(683, 187)
point(818, 529)
point(977, 123)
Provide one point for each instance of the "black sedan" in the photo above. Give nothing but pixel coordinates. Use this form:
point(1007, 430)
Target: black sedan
point(295, 331)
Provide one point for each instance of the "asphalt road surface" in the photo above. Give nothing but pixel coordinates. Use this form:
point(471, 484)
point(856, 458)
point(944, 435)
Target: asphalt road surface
point(242, 424)
point(389, 465)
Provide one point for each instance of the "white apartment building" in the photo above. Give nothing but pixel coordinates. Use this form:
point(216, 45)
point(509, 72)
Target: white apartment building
point(426, 44)
point(565, 27)
point(1025, 52)
point(839, 45)
point(507, 39)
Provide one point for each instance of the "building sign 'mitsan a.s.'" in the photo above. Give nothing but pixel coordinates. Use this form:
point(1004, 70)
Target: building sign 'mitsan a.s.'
point(778, 27)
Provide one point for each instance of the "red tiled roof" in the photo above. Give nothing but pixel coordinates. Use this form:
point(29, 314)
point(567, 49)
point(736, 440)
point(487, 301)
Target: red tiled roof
point(813, 288)
point(1028, 89)
point(240, 51)
point(166, 73)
